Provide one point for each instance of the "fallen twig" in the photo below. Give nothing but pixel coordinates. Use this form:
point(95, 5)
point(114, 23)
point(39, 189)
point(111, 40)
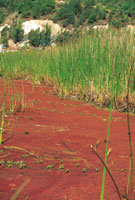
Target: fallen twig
point(20, 189)
point(12, 147)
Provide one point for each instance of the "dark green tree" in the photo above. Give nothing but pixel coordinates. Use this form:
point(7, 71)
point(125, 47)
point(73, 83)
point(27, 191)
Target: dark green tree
point(66, 13)
point(34, 37)
point(3, 14)
point(42, 7)
point(40, 38)
point(92, 17)
point(89, 3)
point(46, 36)
point(16, 32)
point(101, 12)
point(75, 5)
point(5, 35)
point(36, 11)
point(24, 7)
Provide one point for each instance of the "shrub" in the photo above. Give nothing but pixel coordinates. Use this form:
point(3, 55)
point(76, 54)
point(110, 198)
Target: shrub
point(63, 37)
point(3, 15)
point(36, 11)
point(42, 7)
point(38, 37)
point(89, 3)
point(129, 8)
point(101, 13)
point(92, 17)
point(67, 36)
point(67, 12)
point(70, 18)
point(75, 5)
point(34, 36)
point(5, 35)
point(46, 36)
point(81, 19)
point(47, 6)
point(118, 18)
point(23, 7)
point(16, 32)
point(62, 12)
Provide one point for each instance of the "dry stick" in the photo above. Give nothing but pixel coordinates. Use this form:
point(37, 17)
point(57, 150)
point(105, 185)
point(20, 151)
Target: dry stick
point(13, 147)
point(129, 133)
point(20, 189)
point(118, 192)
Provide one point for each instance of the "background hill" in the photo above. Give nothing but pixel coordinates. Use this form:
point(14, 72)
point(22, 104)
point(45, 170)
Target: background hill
point(70, 14)
point(75, 12)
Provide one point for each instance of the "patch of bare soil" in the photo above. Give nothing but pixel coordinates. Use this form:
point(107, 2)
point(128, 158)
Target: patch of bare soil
point(46, 152)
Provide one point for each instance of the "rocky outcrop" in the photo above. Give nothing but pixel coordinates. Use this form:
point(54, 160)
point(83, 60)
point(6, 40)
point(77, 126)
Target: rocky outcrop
point(101, 26)
point(11, 43)
point(41, 24)
point(33, 25)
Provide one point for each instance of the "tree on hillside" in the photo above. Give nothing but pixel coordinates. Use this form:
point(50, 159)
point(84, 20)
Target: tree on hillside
point(34, 37)
point(92, 17)
point(5, 35)
point(89, 3)
point(66, 13)
point(24, 7)
point(3, 14)
point(16, 32)
point(38, 37)
point(42, 7)
point(36, 11)
point(46, 36)
point(76, 6)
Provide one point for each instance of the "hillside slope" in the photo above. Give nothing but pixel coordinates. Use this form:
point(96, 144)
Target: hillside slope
point(75, 12)
point(69, 14)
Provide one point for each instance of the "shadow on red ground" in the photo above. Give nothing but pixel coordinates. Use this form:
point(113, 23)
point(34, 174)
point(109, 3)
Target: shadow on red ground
point(58, 133)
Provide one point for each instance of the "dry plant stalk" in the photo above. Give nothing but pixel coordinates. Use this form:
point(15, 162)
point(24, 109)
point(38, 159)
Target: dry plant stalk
point(20, 189)
point(110, 174)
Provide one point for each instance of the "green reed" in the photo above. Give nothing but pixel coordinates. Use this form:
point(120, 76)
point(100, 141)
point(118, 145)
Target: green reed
point(82, 68)
point(2, 113)
point(108, 136)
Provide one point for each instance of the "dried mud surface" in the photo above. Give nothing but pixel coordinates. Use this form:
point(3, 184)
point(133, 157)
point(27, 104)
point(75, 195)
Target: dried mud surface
point(58, 133)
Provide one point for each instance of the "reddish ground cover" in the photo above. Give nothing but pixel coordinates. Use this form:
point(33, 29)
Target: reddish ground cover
point(60, 164)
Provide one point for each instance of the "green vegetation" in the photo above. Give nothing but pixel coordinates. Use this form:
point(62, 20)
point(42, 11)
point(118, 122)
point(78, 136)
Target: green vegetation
point(42, 7)
point(50, 166)
point(11, 163)
point(117, 13)
point(3, 14)
point(67, 170)
point(40, 38)
point(84, 170)
point(67, 36)
point(87, 68)
point(26, 7)
point(107, 144)
point(16, 32)
point(5, 35)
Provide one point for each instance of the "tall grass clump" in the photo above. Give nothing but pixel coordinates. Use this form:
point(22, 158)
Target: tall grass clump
point(2, 113)
point(131, 163)
point(82, 68)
